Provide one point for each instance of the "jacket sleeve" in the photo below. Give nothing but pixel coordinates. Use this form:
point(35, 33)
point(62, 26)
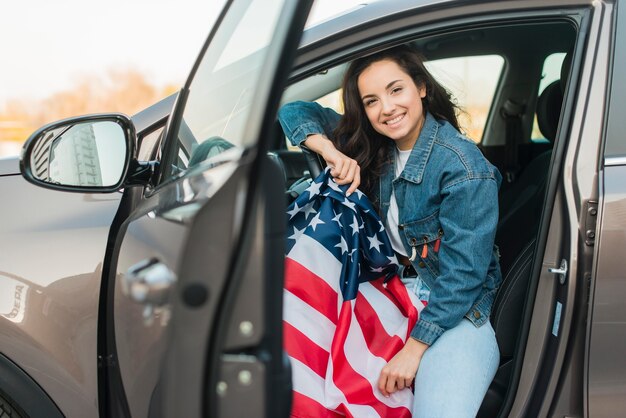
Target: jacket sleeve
point(300, 119)
point(469, 215)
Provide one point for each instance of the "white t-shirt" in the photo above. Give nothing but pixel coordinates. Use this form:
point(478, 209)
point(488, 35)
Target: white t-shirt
point(392, 221)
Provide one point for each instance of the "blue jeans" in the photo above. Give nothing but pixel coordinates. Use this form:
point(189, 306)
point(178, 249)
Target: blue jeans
point(457, 369)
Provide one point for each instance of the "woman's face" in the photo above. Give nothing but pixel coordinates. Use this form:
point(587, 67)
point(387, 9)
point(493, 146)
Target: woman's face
point(392, 102)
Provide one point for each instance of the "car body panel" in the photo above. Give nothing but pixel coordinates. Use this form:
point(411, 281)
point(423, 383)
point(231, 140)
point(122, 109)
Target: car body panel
point(50, 309)
point(605, 365)
point(52, 258)
point(9, 166)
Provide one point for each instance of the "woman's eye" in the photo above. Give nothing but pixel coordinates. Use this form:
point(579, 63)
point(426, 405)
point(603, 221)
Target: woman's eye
point(370, 102)
point(396, 90)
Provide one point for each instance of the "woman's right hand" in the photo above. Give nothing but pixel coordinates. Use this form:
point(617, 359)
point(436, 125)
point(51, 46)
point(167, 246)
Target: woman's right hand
point(344, 169)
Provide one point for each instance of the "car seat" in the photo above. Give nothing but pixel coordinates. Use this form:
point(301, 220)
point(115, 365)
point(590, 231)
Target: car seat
point(520, 211)
point(506, 316)
point(521, 204)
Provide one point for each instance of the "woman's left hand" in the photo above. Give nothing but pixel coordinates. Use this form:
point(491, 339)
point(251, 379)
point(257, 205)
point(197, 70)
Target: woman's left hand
point(402, 368)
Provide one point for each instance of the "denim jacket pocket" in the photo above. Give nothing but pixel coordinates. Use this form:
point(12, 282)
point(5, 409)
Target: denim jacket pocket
point(423, 240)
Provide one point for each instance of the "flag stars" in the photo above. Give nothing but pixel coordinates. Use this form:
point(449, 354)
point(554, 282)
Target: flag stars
point(354, 226)
point(337, 218)
point(333, 185)
point(352, 254)
point(349, 204)
point(308, 210)
point(374, 242)
point(316, 221)
point(294, 211)
point(314, 189)
point(343, 245)
point(297, 233)
point(358, 193)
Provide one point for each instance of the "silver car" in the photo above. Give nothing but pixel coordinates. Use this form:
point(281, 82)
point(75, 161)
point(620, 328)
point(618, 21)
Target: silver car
point(141, 266)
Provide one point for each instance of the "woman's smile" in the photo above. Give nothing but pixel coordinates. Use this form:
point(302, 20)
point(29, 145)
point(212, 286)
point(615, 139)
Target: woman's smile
point(392, 102)
point(393, 122)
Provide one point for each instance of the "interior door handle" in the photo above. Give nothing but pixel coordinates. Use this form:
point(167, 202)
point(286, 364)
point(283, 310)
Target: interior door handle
point(148, 282)
point(561, 271)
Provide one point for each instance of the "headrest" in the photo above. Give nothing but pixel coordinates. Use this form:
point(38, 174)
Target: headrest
point(207, 149)
point(565, 67)
point(550, 101)
point(549, 109)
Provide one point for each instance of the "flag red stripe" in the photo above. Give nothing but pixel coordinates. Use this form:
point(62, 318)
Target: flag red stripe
point(311, 289)
point(305, 407)
point(356, 389)
point(379, 342)
point(396, 291)
point(300, 347)
point(378, 284)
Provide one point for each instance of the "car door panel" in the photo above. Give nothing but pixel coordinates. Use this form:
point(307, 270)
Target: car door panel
point(140, 345)
point(157, 231)
point(224, 339)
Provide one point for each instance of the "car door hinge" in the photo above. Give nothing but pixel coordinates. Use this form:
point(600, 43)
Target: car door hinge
point(106, 361)
point(591, 216)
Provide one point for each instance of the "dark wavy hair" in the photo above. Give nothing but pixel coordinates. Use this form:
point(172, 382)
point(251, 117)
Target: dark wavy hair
point(355, 136)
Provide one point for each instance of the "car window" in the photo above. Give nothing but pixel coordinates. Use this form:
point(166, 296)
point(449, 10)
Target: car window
point(147, 144)
point(221, 94)
point(471, 80)
point(551, 72)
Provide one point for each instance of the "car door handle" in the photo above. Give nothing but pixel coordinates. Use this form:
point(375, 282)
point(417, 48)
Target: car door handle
point(148, 282)
point(561, 271)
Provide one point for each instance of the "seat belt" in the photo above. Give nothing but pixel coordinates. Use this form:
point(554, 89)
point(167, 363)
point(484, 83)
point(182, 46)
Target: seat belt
point(512, 113)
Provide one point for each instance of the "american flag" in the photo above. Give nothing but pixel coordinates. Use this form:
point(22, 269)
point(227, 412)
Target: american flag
point(346, 312)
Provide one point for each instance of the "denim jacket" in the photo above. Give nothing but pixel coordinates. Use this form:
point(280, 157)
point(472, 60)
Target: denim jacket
point(448, 213)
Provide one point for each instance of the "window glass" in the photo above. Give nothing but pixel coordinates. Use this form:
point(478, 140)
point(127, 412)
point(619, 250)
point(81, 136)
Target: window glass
point(472, 81)
point(147, 144)
point(221, 94)
point(551, 72)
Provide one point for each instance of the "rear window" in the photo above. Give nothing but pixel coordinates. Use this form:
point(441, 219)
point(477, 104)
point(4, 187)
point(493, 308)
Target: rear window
point(551, 72)
point(472, 81)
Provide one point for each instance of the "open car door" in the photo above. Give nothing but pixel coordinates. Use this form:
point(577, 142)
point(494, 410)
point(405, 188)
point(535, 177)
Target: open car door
point(199, 270)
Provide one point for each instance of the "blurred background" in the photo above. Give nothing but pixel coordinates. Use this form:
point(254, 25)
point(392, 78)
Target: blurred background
point(72, 57)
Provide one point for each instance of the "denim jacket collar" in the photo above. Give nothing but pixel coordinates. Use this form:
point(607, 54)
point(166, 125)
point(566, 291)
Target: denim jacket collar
point(414, 168)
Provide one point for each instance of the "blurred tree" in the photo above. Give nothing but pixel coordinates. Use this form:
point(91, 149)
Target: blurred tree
point(127, 91)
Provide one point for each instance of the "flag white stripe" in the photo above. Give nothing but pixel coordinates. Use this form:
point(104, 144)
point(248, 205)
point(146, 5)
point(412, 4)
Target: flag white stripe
point(308, 383)
point(308, 320)
point(388, 314)
point(317, 259)
point(370, 366)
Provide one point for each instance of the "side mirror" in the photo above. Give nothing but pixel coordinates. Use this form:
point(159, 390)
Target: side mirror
point(83, 154)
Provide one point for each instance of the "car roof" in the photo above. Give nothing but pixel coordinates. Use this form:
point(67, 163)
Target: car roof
point(361, 15)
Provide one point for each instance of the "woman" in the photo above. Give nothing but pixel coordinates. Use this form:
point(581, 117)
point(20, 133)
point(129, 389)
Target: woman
point(438, 197)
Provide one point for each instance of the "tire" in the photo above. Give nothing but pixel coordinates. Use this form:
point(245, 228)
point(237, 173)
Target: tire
point(9, 409)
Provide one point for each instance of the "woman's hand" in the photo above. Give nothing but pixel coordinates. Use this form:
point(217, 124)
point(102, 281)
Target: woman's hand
point(402, 368)
point(344, 169)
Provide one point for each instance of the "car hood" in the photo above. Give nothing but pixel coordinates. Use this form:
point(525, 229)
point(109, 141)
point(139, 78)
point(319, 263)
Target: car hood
point(9, 165)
